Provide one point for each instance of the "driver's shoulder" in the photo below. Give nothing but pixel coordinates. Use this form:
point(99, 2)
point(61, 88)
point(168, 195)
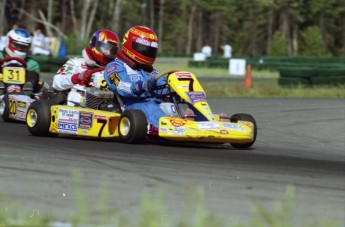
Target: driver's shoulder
point(33, 65)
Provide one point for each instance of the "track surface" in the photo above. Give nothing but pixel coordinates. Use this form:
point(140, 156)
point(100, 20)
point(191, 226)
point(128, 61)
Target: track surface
point(301, 142)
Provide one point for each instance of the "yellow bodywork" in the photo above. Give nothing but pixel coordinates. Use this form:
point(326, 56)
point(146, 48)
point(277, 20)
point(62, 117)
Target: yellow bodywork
point(83, 121)
point(177, 129)
point(186, 85)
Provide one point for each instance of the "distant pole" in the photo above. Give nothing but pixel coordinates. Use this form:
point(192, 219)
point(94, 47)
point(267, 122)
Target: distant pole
point(248, 81)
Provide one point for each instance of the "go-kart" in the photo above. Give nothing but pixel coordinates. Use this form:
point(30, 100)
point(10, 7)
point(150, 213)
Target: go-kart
point(14, 91)
point(101, 114)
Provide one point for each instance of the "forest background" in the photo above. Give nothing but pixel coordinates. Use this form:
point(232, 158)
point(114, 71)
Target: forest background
point(251, 27)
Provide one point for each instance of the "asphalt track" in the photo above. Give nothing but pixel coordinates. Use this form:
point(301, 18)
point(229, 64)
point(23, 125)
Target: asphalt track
point(301, 142)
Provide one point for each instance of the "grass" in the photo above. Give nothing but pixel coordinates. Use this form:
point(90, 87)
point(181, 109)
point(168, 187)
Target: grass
point(153, 213)
point(271, 89)
point(165, 64)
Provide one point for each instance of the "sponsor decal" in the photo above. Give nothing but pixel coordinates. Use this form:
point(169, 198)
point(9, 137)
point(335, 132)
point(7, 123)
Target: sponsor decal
point(85, 120)
point(135, 78)
point(142, 34)
point(21, 104)
point(233, 126)
point(163, 129)
point(114, 78)
point(100, 117)
point(177, 122)
point(66, 115)
point(205, 125)
point(183, 75)
point(179, 131)
point(195, 97)
point(110, 69)
point(65, 127)
point(143, 42)
point(69, 69)
point(223, 132)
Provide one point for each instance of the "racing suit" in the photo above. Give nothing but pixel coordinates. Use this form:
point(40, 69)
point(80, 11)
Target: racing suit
point(32, 74)
point(124, 80)
point(63, 80)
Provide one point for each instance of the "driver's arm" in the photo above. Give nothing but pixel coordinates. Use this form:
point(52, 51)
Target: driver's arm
point(116, 76)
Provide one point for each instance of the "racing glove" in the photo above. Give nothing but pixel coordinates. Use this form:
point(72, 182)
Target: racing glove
point(145, 86)
point(85, 76)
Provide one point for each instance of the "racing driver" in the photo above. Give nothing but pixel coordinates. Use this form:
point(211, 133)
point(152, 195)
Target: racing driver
point(77, 72)
point(18, 44)
point(131, 74)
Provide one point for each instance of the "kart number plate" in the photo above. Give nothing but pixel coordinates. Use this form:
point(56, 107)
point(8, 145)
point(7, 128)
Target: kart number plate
point(14, 75)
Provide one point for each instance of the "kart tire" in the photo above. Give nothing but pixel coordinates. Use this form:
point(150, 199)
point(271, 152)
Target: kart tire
point(244, 117)
point(38, 118)
point(132, 126)
point(5, 109)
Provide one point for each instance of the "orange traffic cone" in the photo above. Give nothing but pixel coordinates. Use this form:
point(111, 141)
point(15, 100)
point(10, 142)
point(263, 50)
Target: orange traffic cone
point(248, 82)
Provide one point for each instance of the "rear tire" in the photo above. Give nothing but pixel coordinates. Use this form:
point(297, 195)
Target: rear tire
point(244, 117)
point(38, 118)
point(132, 126)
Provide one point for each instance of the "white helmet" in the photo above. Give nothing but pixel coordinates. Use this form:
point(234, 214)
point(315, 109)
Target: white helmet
point(18, 43)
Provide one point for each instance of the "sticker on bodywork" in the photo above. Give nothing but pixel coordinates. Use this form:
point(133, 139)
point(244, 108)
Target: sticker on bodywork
point(183, 75)
point(233, 126)
point(68, 121)
point(177, 122)
point(85, 120)
point(195, 97)
point(206, 125)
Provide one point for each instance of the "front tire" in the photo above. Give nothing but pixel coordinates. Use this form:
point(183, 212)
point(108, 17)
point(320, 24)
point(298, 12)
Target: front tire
point(132, 126)
point(5, 109)
point(244, 117)
point(38, 118)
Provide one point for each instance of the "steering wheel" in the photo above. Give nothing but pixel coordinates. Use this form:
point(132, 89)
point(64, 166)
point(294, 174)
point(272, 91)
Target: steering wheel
point(20, 60)
point(167, 73)
point(164, 74)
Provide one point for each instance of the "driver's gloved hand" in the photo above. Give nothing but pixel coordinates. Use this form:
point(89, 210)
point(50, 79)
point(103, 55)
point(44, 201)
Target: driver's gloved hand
point(149, 84)
point(144, 86)
point(85, 76)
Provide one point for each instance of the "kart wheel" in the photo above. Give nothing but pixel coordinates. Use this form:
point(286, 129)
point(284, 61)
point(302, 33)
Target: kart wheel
point(244, 117)
point(38, 118)
point(4, 108)
point(132, 126)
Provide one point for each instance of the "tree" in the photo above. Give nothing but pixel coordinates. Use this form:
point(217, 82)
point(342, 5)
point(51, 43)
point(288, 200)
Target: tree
point(312, 43)
point(2, 16)
point(279, 45)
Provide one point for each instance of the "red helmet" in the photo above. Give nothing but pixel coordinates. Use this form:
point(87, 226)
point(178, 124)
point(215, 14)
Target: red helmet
point(103, 46)
point(140, 44)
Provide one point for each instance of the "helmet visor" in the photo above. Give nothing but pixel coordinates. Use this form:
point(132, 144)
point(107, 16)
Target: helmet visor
point(108, 50)
point(144, 50)
point(20, 46)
